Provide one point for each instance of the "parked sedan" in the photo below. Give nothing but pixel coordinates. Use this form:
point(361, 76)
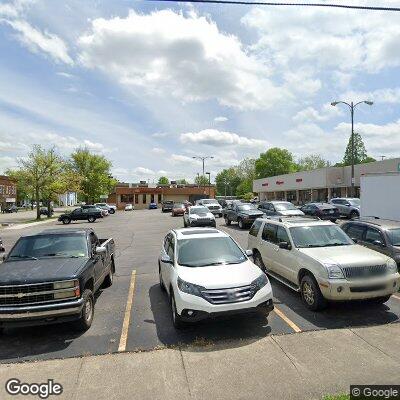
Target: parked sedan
point(285, 208)
point(211, 276)
point(10, 209)
point(129, 207)
point(199, 216)
point(178, 209)
point(323, 211)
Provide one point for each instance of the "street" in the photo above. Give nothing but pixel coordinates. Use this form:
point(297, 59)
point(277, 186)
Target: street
point(135, 315)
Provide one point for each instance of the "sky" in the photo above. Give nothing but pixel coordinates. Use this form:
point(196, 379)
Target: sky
point(151, 85)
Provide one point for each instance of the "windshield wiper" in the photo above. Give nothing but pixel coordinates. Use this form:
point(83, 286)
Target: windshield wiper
point(337, 244)
point(59, 255)
point(23, 256)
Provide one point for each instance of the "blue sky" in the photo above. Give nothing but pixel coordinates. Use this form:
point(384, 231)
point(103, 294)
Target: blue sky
point(151, 84)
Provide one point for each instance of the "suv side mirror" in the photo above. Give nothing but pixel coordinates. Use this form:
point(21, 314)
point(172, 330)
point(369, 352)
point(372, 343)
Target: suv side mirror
point(285, 245)
point(2, 249)
point(355, 240)
point(378, 243)
point(100, 250)
point(166, 259)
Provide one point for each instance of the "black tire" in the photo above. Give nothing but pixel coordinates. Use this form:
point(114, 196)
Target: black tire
point(241, 223)
point(311, 294)
point(259, 261)
point(227, 221)
point(86, 319)
point(91, 219)
point(109, 279)
point(66, 221)
point(162, 286)
point(176, 318)
point(112, 211)
point(353, 214)
point(214, 224)
point(381, 300)
point(333, 220)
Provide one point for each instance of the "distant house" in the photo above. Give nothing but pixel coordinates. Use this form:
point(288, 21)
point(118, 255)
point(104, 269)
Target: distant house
point(68, 199)
point(8, 191)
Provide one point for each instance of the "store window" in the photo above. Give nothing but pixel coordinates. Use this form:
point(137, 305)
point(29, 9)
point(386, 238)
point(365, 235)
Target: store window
point(159, 197)
point(144, 198)
point(136, 199)
point(152, 198)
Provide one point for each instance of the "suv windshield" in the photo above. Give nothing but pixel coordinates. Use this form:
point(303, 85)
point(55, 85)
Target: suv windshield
point(198, 210)
point(394, 236)
point(246, 207)
point(68, 245)
point(209, 251)
point(319, 236)
point(284, 206)
point(178, 205)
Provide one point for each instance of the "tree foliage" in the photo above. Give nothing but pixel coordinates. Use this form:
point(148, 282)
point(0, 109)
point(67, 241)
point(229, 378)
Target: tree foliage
point(360, 152)
point(312, 161)
point(163, 180)
point(182, 181)
point(274, 161)
point(201, 180)
point(227, 181)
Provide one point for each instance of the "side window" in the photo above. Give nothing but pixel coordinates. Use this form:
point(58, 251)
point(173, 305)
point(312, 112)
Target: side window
point(373, 234)
point(335, 201)
point(171, 247)
point(354, 231)
point(269, 233)
point(167, 242)
point(282, 235)
point(255, 228)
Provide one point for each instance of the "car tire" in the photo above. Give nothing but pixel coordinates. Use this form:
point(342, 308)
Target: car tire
point(333, 220)
point(66, 221)
point(227, 221)
point(112, 211)
point(311, 294)
point(176, 318)
point(162, 286)
point(86, 319)
point(241, 224)
point(353, 214)
point(259, 261)
point(214, 224)
point(91, 219)
point(381, 300)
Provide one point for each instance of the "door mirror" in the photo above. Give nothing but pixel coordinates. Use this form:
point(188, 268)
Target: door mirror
point(347, 204)
point(166, 259)
point(4, 257)
point(100, 250)
point(378, 243)
point(2, 249)
point(249, 253)
point(355, 240)
point(285, 245)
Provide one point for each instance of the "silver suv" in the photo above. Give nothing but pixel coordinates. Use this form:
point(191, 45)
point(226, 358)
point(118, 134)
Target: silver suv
point(319, 260)
point(348, 207)
point(212, 205)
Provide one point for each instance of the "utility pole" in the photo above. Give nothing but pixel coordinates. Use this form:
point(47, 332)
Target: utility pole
point(203, 158)
point(209, 183)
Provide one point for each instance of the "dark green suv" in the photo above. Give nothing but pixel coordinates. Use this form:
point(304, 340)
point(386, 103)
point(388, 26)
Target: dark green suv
point(382, 235)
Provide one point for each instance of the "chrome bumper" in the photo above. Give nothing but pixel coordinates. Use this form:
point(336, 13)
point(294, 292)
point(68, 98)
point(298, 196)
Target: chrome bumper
point(42, 311)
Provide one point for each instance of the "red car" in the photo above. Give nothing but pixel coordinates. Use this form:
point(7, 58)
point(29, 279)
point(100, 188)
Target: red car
point(178, 209)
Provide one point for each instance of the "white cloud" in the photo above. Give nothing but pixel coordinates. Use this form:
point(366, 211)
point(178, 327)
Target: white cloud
point(187, 57)
point(385, 95)
point(214, 137)
point(37, 41)
point(143, 171)
point(158, 150)
point(220, 119)
point(182, 159)
point(65, 75)
point(310, 114)
point(13, 9)
point(6, 163)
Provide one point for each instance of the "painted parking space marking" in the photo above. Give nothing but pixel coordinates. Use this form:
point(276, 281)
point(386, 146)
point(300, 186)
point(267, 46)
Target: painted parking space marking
point(287, 320)
point(396, 296)
point(127, 317)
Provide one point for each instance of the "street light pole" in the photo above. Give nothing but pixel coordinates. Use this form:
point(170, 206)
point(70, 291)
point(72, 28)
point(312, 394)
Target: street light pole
point(209, 183)
point(203, 158)
point(352, 106)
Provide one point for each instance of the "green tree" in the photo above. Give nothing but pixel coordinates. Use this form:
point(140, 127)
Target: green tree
point(247, 169)
point(227, 181)
point(274, 161)
point(313, 161)
point(163, 180)
point(95, 171)
point(245, 186)
point(182, 181)
point(201, 180)
point(360, 152)
point(248, 196)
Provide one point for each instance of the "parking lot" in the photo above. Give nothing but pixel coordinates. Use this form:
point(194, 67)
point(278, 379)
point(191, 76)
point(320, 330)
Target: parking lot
point(134, 313)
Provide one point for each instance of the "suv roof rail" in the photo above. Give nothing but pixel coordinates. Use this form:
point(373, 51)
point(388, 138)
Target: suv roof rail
point(292, 217)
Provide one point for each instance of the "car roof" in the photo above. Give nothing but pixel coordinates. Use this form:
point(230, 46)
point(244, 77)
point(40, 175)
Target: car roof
point(321, 204)
point(195, 233)
point(381, 222)
point(295, 221)
point(60, 231)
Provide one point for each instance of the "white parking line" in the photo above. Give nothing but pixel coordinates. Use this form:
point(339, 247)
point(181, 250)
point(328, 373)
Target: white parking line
point(287, 320)
point(127, 317)
point(396, 296)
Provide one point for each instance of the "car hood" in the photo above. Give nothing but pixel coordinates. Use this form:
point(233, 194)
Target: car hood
point(221, 276)
point(291, 212)
point(202, 215)
point(42, 270)
point(354, 255)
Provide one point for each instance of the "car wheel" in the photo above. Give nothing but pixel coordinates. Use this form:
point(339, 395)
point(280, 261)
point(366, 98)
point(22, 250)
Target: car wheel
point(353, 214)
point(259, 262)
point(112, 211)
point(176, 318)
point(311, 294)
point(91, 219)
point(380, 300)
point(162, 286)
point(240, 223)
point(214, 224)
point(66, 221)
point(227, 221)
point(86, 319)
point(333, 220)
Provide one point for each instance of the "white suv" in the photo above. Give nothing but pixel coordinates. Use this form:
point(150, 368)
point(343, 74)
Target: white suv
point(212, 205)
point(206, 273)
point(319, 260)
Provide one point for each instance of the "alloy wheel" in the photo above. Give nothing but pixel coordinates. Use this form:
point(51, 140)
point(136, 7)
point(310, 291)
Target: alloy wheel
point(308, 293)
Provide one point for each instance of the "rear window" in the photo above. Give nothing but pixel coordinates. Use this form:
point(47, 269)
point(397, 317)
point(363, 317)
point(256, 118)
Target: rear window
point(255, 228)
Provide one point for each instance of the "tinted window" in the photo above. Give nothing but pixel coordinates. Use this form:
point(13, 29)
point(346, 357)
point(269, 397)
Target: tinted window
point(285, 206)
point(269, 233)
point(354, 231)
point(255, 228)
point(281, 235)
point(199, 210)
point(394, 236)
point(246, 207)
point(373, 234)
point(319, 236)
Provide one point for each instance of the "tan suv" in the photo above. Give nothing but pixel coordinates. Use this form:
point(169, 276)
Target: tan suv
point(318, 259)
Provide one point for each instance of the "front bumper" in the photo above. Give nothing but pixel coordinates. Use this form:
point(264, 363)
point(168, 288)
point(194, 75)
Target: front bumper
point(261, 302)
point(210, 222)
point(343, 289)
point(41, 313)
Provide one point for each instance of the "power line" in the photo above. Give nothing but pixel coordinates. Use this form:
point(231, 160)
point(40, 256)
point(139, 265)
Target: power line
point(262, 3)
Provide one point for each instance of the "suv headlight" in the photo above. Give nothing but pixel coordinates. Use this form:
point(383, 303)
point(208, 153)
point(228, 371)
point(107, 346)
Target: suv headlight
point(260, 282)
point(190, 288)
point(391, 266)
point(334, 271)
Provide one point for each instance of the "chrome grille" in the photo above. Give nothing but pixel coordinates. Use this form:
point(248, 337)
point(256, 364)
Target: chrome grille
point(213, 207)
point(41, 287)
point(370, 271)
point(232, 295)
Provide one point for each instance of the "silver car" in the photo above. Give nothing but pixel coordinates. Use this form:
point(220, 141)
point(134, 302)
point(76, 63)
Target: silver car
point(348, 207)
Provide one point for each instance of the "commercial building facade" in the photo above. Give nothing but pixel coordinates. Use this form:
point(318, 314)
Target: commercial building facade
point(319, 184)
point(141, 195)
point(8, 192)
point(68, 199)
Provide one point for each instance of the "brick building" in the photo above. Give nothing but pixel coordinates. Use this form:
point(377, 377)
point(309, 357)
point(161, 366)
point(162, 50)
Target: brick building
point(8, 191)
point(142, 194)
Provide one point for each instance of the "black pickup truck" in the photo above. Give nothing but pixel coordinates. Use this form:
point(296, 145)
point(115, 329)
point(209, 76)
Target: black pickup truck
point(52, 276)
point(242, 213)
point(79, 214)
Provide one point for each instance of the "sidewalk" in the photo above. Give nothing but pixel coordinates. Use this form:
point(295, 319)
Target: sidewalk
point(308, 365)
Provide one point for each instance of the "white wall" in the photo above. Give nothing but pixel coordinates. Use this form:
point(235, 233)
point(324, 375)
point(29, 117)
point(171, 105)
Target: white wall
point(380, 195)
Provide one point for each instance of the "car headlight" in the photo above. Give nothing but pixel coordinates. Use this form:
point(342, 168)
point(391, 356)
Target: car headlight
point(65, 284)
point(391, 266)
point(260, 282)
point(190, 288)
point(334, 271)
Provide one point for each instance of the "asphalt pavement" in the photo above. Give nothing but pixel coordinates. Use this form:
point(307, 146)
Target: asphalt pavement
point(134, 313)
